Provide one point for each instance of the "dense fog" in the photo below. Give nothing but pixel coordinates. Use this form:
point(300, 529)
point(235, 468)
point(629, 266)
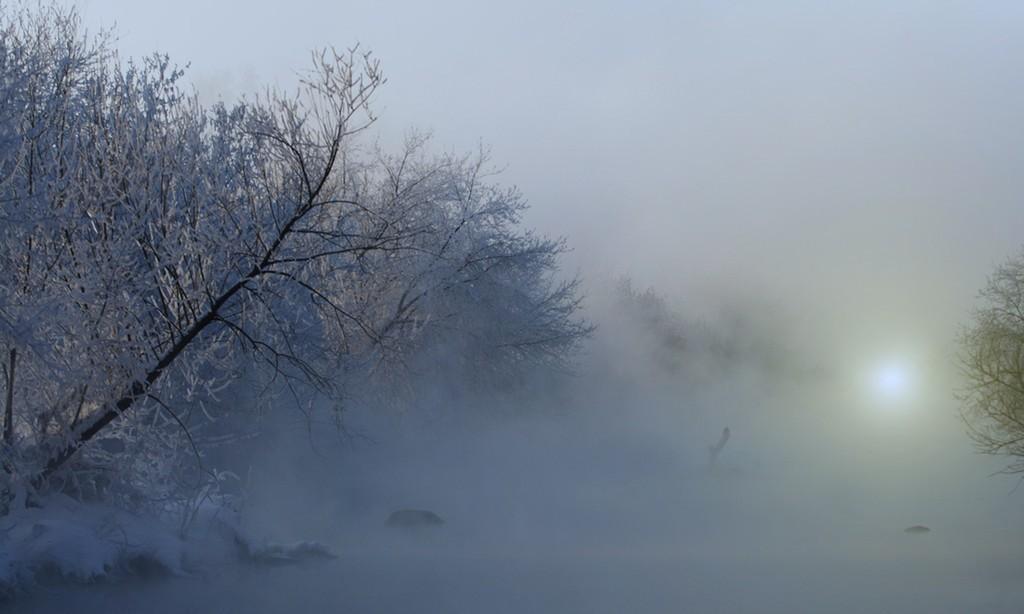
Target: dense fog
point(780, 215)
point(598, 495)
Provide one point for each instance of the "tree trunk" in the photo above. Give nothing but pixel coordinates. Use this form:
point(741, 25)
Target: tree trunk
point(9, 405)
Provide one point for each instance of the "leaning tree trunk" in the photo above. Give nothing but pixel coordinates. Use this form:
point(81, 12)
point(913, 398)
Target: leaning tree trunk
point(141, 387)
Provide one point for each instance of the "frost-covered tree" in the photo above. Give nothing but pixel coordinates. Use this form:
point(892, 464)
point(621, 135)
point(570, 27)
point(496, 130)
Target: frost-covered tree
point(152, 251)
point(992, 362)
point(477, 290)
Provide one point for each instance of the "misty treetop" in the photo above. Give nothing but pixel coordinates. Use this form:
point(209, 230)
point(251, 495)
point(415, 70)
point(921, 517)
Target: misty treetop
point(992, 363)
point(154, 250)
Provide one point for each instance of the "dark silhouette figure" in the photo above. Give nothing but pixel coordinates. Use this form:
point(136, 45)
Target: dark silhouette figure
point(716, 449)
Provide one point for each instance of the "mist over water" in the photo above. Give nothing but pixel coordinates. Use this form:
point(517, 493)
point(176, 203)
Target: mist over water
point(597, 495)
point(815, 188)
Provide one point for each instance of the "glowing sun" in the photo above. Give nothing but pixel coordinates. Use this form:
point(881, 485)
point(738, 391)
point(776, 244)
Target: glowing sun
point(892, 381)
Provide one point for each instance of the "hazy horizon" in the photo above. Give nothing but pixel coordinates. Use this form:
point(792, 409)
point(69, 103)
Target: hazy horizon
point(815, 191)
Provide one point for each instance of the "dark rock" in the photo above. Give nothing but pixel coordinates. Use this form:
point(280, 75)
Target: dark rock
point(414, 518)
point(917, 529)
point(281, 554)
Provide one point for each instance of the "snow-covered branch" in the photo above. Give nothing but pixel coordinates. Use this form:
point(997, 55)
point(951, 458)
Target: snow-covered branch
point(154, 251)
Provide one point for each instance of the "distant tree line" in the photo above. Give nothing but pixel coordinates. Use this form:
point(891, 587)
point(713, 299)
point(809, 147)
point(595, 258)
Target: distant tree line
point(677, 344)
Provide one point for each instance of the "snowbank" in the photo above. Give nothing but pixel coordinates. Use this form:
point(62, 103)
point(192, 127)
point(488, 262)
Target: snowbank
point(64, 539)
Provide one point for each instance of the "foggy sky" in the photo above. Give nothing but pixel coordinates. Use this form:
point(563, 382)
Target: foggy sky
point(854, 164)
point(850, 171)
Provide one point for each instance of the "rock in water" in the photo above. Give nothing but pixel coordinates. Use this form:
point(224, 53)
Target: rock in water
point(282, 554)
point(414, 519)
point(917, 529)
